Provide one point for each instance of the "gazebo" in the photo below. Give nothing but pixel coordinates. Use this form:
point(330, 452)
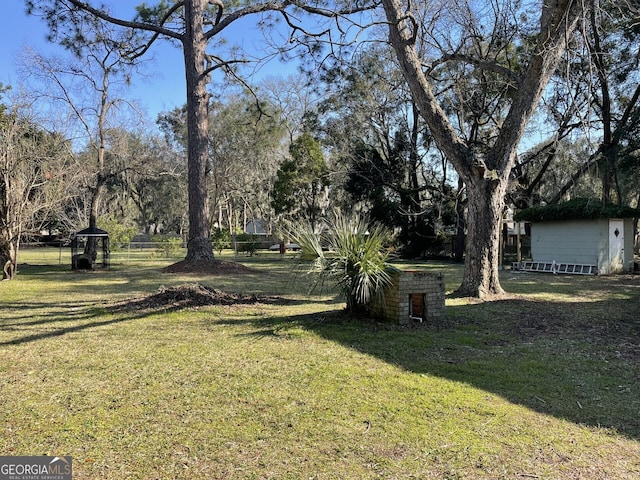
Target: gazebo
point(87, 261)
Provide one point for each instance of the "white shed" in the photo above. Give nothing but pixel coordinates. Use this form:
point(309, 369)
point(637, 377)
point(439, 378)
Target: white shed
point(582, 233)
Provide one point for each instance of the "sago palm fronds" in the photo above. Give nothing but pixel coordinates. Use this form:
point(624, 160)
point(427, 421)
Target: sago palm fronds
point(354, 258)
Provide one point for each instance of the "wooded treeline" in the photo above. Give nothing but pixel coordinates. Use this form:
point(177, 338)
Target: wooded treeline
point(431, 121)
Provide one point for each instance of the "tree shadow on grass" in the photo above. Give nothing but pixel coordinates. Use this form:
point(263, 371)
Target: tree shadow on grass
point(135, 278)
point(60, 324)
point(577, 361)
point(62, 318)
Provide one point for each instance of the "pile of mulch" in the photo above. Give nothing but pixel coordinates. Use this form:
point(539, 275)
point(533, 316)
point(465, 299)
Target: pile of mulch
point(191, 297)
point(208, 267)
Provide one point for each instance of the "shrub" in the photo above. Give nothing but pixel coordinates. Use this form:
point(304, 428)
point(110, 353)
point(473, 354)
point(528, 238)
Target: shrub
point(247, 243)
point(354, 258)
point(119, 234)
point(167, 246)
point(220, 239)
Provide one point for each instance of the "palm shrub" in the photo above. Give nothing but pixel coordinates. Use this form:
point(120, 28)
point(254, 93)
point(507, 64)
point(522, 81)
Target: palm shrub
point(351, 254)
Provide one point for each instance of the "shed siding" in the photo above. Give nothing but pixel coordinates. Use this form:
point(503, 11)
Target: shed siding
point(629, 240)
point(575, 241)
point(583, 242)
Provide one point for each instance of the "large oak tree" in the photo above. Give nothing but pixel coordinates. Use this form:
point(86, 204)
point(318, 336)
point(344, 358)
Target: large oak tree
point(524, 64)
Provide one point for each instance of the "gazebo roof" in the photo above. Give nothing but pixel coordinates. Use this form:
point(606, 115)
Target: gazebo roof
point(92, 232)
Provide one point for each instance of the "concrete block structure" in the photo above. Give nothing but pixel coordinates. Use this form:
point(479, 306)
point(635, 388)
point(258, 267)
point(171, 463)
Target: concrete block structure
point(413, 297)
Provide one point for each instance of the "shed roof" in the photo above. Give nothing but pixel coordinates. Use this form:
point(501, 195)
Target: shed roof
point(576, 209)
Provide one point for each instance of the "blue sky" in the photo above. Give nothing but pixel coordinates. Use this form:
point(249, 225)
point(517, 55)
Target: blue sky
point(163, 89)
point(164, 85)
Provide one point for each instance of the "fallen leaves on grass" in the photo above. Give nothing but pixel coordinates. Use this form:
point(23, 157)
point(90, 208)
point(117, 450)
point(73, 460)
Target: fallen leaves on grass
point(211, 267)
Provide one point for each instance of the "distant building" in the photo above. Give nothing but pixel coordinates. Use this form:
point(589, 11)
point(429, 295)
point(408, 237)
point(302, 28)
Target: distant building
point(256, 227)
point(582, 233)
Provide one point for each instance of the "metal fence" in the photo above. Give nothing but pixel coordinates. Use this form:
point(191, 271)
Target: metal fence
point(41, 254)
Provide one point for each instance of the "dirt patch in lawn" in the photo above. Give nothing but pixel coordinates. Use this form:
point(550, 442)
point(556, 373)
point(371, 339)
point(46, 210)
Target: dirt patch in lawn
point(209, 267)
point(609, 326)
point(191, 297)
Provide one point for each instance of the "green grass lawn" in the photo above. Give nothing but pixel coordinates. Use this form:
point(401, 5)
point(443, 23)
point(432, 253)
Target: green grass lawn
point(543, 385)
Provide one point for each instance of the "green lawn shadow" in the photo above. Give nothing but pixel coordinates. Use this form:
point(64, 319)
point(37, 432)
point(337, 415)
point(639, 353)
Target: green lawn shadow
point(574, 357)
point(530, 353)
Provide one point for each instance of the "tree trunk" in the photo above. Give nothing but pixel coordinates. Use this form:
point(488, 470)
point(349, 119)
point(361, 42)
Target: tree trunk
point(486, 177)
point(484, 213)
point(198, 245)
point(459, 240)
point(8, 253)
point(91, 245)
point(10, 226)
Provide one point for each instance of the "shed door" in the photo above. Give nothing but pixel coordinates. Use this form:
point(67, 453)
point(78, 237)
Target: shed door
point(616, 246)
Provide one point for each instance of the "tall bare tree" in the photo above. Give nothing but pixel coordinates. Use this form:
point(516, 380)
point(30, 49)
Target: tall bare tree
point(89, 87)
point(524, 66)
point(596, 93)
point(33, 174)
